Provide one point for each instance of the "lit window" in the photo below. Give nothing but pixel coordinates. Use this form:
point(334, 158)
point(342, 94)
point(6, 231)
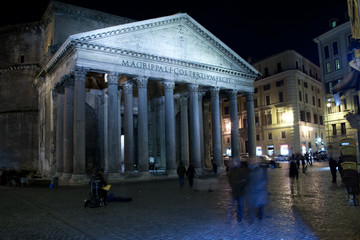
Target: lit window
point(337, 64)
point(333, 24)
point(328, 67)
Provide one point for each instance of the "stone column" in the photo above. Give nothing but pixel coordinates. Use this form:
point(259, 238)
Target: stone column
point(201, 130)
point(128, 128)
point(119, 128)
point(216, 126)
point(195, 127)
point(113, 126)
point(206, 135)
point(68, 127)
point(161, 132)
point(153, 131)
point(184, 131)
point(143, 140)
point(60, 129)
point(79, 161)
point(170, 127)
point(251, 124)
point(106, 132)
point(234, 119)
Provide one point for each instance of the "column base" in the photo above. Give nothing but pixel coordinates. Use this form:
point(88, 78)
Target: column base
point(199, 171)
point(78, 179)
point(66, 176)
point(64, 179)
point(113, 177)
point(171, 173)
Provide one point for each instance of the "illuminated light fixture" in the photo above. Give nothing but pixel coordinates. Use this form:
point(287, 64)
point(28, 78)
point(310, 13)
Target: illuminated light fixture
point(105, 77)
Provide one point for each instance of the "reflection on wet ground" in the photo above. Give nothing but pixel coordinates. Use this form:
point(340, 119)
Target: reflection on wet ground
point(321, 204)
point(311, 207)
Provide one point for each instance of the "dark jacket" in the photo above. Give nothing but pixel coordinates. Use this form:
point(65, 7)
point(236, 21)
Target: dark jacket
point(238, 180)
point(190, 172)
point(181, 170)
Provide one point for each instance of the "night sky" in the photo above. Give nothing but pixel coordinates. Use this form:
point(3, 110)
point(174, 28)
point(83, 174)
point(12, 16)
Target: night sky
point(254, 28)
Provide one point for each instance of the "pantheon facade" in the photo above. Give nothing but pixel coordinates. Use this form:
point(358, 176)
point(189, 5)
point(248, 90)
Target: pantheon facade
point(122, 96)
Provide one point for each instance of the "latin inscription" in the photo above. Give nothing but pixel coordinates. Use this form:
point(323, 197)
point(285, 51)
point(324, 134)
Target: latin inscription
point(176, 71)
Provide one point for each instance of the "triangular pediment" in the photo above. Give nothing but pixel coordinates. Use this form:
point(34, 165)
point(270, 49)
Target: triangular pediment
point(176, 37)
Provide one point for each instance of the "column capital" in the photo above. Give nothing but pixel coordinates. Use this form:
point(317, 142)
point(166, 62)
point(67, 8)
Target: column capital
point(68, 81)
point(232, 93)
point(127, 87)
point(201, 94)
point(249, 96)
point(59, 88)
point(193, 87)
point(215, 91)
point(80, 73)
point(161, 103)
point(168, 85)
point(141, 81)
point(113, 78)
point(183, 100)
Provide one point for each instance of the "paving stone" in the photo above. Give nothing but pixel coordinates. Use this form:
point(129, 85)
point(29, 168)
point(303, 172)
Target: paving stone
point(308, 208)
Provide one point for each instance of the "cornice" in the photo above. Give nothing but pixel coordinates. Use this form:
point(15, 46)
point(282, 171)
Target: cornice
point(130, 53)
point(21, 67)
point(73, 10)
point(163, 21)
point(18, 28)
point(84, 41)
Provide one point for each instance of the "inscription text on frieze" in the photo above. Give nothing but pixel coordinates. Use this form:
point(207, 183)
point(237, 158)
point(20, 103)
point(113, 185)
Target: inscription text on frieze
point(172, 70)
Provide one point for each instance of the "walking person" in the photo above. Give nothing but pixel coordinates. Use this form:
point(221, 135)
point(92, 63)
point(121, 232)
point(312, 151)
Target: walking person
point(238, 178)
point(303, 164)
point(257, 190)
point(293, 170)
point(190, 173)
point(181, 170)
point(333, 164)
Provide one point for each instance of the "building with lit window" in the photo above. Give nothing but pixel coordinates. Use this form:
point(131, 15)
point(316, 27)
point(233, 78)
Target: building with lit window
point(333, 57)
point(289, 105)
point(106, 97)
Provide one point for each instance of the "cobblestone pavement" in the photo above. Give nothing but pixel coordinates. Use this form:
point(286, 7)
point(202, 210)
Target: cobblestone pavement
point(309, 208)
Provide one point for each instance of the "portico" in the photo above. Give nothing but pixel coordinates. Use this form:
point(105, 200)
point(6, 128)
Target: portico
point(133, 80)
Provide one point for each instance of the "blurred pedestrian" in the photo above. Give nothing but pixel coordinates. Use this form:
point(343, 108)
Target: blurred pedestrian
point(181, 170)
point(298, 162)
point(257, 190)
point(333, 164)
point(303, 164)
point(238, 178)
point(214, 165)
point(293, 170)
point(190, 173)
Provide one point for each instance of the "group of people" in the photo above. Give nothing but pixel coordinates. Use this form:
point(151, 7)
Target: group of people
point(190, 173)
point(295, 162)
point(248, 181)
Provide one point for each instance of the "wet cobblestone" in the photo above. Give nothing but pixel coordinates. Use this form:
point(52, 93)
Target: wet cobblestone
point(308, 208)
